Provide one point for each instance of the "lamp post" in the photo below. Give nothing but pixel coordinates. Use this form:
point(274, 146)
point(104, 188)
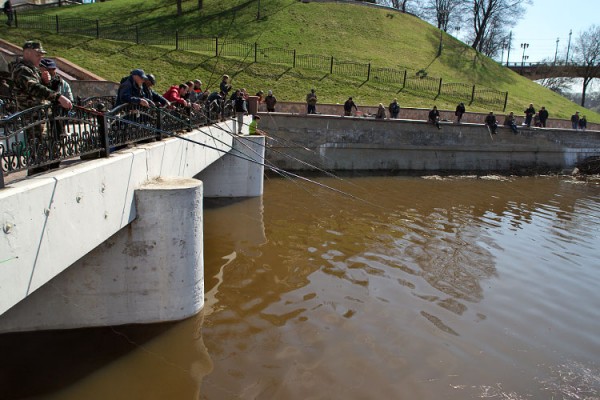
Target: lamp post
point(504, 47)
point(556, 51)
point(524, 46)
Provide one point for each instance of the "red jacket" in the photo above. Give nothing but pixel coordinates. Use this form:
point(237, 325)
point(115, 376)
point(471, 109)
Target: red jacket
point(173, 95)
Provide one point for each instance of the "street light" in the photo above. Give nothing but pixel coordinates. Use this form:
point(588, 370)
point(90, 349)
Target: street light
point(504, 47)
point(556, 52)
point(524, 46)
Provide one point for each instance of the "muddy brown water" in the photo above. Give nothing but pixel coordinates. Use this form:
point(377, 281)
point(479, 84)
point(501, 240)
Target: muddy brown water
point(416, 288)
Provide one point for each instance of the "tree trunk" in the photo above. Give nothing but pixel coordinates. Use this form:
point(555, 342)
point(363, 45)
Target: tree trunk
point(200, 4)
point(179, 10)
point(585, 85)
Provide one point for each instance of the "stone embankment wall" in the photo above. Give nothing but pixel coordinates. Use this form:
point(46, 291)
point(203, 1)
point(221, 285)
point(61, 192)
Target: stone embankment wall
point(350, 143)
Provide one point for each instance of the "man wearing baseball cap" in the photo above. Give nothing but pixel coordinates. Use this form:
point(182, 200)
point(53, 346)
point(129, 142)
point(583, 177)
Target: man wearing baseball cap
point(30, 89)
point(131, 89)
point(56, 82)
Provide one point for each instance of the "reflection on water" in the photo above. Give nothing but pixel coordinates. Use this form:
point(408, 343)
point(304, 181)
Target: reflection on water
point(430, 288)
point(451, 288)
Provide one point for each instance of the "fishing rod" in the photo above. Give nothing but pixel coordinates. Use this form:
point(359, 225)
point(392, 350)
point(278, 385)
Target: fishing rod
point(246, 158)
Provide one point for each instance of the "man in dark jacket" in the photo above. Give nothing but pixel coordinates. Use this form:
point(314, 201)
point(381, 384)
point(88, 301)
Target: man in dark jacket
point(529, 113)
point(460, 110)
point(348, 107)
point(491, 122)
point(434, 117)
point(131, 89)
point(149, 93)
point(543, 116)
point(239, 105)
point(394, 109)
point(270, 101)
point(8, 10)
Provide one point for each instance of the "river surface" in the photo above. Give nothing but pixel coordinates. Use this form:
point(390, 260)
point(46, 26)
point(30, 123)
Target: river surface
point(397, 288)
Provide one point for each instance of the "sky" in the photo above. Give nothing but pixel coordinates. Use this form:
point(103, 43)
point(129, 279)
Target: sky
point(545, 21)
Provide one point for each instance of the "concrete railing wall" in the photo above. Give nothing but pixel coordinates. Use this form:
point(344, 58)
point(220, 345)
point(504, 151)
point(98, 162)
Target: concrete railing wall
point(349, 143)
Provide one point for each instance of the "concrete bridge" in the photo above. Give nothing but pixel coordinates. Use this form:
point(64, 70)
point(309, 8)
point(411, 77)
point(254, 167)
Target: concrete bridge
point(118, 240)
point(542, 70)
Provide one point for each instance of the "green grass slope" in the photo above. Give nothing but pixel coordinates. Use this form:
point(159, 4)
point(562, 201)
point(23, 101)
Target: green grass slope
point(350, 32)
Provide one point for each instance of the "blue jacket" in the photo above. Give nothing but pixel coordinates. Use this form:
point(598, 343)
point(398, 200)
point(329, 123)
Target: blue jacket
point(129, 92)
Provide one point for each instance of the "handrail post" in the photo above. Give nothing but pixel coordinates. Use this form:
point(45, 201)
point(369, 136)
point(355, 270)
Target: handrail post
point(97, 29)
point(294, 63)
point(369, 72)
point(505, 101)
point(255, 50)
point(56, 18)
point(160, 135)
point(15, 17)
point(472, 95)
point(404, 80)
point(440, 88)
point(103, 131)
point(216, 46)
point(176, 40)
point(331, 66)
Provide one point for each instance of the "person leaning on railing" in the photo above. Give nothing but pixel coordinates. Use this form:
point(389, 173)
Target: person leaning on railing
point(30, 91)
point(151, 94)
point(131, 89)
point(29, 87)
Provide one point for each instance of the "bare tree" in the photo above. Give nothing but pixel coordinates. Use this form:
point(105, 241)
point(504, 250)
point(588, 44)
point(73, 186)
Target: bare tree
point(489, 23)
point(587, 53)
point(397, 4)
point(445, 14)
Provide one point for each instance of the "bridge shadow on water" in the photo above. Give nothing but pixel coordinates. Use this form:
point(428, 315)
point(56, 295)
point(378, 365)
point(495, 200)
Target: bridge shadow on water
point(40, 364)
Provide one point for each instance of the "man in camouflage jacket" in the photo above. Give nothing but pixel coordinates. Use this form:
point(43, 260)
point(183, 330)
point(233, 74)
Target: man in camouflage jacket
point(29, 87)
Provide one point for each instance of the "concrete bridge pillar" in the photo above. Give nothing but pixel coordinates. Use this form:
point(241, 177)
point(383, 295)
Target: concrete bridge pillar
point(150, 271)
point(238, 173)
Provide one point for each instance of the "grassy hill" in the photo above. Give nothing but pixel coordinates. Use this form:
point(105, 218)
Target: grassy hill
point(384, 38)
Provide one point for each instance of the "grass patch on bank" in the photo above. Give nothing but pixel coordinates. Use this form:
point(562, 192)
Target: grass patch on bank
point(383, 37)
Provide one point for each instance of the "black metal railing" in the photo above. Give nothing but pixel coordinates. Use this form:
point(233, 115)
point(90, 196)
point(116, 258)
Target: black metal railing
point(48, 134)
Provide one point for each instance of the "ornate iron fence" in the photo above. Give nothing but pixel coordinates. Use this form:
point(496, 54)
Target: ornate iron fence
point(44, 135)
point(8, 106)
point(47, 134)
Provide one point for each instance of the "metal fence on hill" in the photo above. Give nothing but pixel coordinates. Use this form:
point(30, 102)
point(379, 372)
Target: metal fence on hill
point(219, 47)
